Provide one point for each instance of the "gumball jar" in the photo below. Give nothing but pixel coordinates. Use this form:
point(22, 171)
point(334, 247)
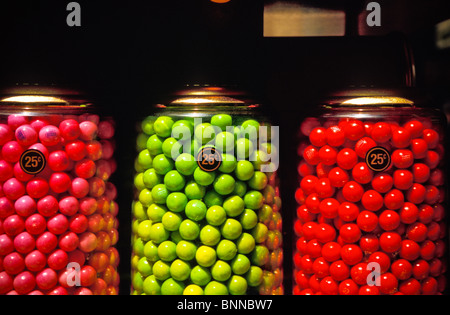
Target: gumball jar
point(58, 214)
point(207, 208)
point(371, 199)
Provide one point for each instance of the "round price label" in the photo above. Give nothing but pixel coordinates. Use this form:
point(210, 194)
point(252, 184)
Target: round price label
point(209, 159)
point(378, 159)
point(32, 162)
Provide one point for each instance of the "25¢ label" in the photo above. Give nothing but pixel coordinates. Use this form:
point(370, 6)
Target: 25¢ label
point(378, 159)
point(209, 159)
point(32, 162)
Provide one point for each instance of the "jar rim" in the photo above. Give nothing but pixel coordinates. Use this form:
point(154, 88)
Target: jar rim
point(371, 101)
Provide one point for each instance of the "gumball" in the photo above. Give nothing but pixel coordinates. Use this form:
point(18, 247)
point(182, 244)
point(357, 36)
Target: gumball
point(35, 261)
point(363, 146)
point(26, 135)
point(25, 206)
point(348, 211)
point(432, 159)
point(416, 194)
point(6, 170)
point(14, 121)
point(79, 187)
point(328, 155)
point(352, 191)
point(394, 199)
point(58, 224)
point(13, 263)
point(369, 243)
point(401, 137)
point(362, 174)
point(382, 183)
point(46, 242)
point(37, 188)
point(419, 148)
point(325, 233)
point(58, 161)
point(329, 208)
point(335, 136)
point(351, 254)
point(46, 279)
point(372, 200)
point(347, 159)
point(350, 233)
point(85, 168)
point(20, 174)
point(402, 158)
point(311, 155)
point(13, 189)
point(421, 172)
point(390, 242)
point(47, 206)
point(6, 244)
point(106, 130)
point(24, 243)
point(403, 179)
point(13, 225)
point(6, 134)
point(338, 177)
point(69, 129)
point(60, 182)
point(24, 282)
point(381, 132)
point(76, 150)
point(58, 260)
point(35, 224)
point(78, 223)
point(6, 207)
point(318, 137)
point(431, 137)
point(409, 250)
point(367, 221)
point(324, 188)
point(354, 130)
point(94, 150)
point(89, 130)
point(41, 148)
point(49, 136)
point(69, 206)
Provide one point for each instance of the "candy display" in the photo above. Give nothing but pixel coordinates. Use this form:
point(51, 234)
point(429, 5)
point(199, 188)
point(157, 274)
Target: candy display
point(58, 223)
point(371, 215)
point(206, 215)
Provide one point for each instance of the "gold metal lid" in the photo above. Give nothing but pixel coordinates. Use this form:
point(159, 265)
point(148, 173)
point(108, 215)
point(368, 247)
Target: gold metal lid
point(33, 95)
point(206, 96)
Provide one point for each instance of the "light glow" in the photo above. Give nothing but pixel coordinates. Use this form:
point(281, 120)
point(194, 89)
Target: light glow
point(33, 99)
point(381, 100)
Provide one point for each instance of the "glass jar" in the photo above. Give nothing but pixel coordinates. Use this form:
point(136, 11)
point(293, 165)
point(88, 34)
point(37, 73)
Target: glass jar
point(371, 199)
point(58, 223)
point(206, 213)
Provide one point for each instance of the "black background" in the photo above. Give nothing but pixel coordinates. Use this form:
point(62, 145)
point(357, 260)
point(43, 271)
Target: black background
point(128, 55)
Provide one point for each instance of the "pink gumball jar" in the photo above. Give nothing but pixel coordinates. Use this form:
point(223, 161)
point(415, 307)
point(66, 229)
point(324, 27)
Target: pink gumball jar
point(50, 241)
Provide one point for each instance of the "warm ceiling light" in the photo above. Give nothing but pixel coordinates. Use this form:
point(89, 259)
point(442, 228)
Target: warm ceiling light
point(220, 1)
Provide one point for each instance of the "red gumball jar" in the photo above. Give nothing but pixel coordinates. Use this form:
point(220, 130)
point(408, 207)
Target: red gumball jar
point(373, 199)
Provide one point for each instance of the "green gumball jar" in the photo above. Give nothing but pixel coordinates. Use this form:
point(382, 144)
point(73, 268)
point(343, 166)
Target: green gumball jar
point(208, 193)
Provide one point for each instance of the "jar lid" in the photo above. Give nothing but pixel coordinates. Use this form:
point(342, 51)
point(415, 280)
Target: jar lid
point(205, 96)
point(370, 97)
point(25, 95)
